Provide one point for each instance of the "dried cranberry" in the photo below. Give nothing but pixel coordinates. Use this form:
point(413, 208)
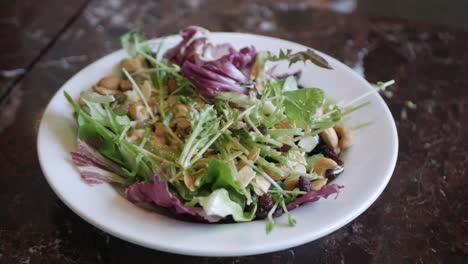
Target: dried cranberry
point(330, 153)
point(332, 174)
point(264, 203)
point(249, 207)
point(304, 184)
point(278, 211)
point(262, 129)
point(285, 148)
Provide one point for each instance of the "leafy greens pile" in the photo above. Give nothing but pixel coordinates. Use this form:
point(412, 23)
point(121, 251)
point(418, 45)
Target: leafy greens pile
point(219, 131)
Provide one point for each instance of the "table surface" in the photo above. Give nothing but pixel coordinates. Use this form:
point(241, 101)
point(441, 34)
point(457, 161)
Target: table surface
point(421, 217)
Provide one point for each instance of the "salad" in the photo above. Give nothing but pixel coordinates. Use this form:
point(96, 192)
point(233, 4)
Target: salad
point(212, 133)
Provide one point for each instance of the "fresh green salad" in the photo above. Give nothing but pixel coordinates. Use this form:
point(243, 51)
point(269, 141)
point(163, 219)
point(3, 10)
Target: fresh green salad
point(211, 132)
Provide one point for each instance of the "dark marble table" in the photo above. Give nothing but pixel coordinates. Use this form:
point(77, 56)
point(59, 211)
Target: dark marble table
point(422, 216)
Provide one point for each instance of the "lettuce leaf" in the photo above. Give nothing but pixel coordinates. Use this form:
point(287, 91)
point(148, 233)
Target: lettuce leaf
point(219, 203)
point(222, 175)
point(301, 105)
point(219, 175)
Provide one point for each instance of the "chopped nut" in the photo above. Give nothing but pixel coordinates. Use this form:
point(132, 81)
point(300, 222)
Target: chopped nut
point(254, 154)
point(132, 96)
point(154, 105)
point(246, 174)
point(158, 141)
point(298, 162)
point(171, 85)
point(317, 185)
point(291, 182)
point(286, 138)
point(110, 82)
point(182, 123)
point(160, 130)
point(137, 111)
point(170, 101)
point(134, 64)
point(182, 126)
point(80, 101)
point(275, 175)
point(345, 136)
point(261, 185)
point(135, 134)
point(146, 88)
point(103, 90)
point(323, 165)
point(181, 110)
point(191, 178)
point(283, 124)
point(125, 85)
point(330, 137)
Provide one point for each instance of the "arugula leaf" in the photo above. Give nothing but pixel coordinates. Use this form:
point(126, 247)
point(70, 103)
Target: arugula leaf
point(307, 55)
point(132, 43)
point(117, 123)
point(102, 122)
point(86, 129)
point(104, 115)
point(84, 119)
point(110, 150)
point(219, 203)
point(301, 105)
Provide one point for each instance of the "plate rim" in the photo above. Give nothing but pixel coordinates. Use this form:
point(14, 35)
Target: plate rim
point(196, 252)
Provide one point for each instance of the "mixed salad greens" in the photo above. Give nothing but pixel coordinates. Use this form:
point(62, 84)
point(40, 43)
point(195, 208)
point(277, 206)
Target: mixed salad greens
point(210, 132)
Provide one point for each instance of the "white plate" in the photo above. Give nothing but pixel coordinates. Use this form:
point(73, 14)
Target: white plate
point(369, 166)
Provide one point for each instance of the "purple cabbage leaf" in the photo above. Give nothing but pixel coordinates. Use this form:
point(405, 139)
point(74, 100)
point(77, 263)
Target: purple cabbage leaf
point(212, 68)
point(158, 192)
point(313, 196)
point(93, 167)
